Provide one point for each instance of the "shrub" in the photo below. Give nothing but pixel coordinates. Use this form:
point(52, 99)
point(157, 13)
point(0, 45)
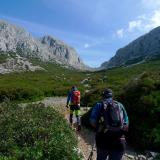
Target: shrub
point(90, 98)
point(35, 132)
point(142, 100)
point(85, 119)
point(16, 93)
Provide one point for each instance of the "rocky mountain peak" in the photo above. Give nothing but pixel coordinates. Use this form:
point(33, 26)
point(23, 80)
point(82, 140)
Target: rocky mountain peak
point(63, 52)
point(16, 39)
point(144, 47)
point(51, 41)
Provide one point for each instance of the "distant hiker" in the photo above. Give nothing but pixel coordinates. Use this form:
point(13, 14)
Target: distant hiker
point(110, 120)
point(73, 100)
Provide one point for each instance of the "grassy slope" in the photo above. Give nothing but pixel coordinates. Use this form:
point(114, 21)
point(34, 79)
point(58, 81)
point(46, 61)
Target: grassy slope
point(56, 80)
point(137, 87)
point(117, 79)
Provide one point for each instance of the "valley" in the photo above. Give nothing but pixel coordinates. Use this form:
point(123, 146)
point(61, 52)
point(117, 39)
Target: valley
point(32, 70)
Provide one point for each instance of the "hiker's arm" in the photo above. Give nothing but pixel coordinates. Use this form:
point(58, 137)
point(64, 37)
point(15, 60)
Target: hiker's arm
point(125, 118)
point(94, 115)
point(68, 99)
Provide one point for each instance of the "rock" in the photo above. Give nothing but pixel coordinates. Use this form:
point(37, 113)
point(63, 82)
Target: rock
point(141, 157)
point(14, 39)
point(128, 157)
point(84, 81)
point(153, 154)
point(144, 47)
point(64, 54)
point(17, 64)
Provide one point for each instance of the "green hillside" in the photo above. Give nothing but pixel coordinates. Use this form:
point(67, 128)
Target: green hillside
point(54, 81)
point(136, 86)
point(141, 96)
point(57, 80)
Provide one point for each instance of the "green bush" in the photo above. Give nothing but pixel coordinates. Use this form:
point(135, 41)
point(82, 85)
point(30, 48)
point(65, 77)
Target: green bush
point(3, 57)
point(90, 98)
point(17, 93)
point(35, 132)
point(142, 100)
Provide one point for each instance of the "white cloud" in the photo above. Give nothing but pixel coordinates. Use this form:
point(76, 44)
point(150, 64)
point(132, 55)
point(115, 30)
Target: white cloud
point(94, 42)
point(120, 33)
point(86, 45)
point(155, 19)
point(151, 3)
point(141, 24)
point(149, 22)
point(134, 24)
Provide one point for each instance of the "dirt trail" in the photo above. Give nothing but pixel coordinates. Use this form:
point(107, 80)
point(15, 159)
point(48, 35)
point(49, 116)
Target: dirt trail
point(85, 137)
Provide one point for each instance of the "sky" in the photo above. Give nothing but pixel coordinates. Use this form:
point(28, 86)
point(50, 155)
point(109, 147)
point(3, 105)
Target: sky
point(95, 28)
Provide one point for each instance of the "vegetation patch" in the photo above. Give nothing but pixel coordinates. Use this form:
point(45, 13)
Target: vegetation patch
point(3, 58)
point(142, 100)
point(138, 88)
point(35, 133)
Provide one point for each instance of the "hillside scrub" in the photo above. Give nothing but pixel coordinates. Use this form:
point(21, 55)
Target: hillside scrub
point(35, 132)
point(56, 80)
point(142, 100)
point(3, 58)
point(116, 79)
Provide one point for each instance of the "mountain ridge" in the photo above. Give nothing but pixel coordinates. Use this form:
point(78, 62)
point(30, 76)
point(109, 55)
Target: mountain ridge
point(47, 48)
point(145, 47)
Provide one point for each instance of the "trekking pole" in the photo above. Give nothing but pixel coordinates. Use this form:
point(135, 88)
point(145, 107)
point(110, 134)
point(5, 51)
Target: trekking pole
point(91, 154)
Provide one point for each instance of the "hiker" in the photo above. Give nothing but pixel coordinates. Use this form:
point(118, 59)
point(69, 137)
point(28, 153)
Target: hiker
point(110, 120)
point(73, 100)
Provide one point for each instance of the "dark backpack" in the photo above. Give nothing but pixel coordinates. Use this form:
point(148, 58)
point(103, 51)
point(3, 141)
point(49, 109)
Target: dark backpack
point(111, 116)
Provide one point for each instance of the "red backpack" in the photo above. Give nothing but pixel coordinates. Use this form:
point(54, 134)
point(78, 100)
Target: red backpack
point(75, 97)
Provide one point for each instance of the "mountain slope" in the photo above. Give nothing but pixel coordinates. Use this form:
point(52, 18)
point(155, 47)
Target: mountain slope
point(48, 49)
point(145, 47)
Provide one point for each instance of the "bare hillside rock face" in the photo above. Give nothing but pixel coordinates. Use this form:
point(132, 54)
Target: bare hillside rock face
point(145, 47)
point(64, 54)
point(17, 64)
point(47, 48)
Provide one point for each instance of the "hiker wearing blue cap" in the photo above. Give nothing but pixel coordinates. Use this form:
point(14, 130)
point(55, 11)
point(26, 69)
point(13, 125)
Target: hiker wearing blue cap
point(110, 120)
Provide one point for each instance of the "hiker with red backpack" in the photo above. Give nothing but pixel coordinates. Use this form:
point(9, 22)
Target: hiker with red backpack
point(110, 120)
point(73, 100)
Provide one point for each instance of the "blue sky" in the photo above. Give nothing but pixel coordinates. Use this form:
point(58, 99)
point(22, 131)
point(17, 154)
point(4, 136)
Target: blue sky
point(95, 28)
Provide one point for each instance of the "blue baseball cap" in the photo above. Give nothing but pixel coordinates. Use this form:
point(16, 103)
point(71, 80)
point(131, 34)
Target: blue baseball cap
point(107, 93)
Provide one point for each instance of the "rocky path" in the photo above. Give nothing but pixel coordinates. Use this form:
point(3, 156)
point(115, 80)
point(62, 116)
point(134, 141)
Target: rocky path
point(85, 137)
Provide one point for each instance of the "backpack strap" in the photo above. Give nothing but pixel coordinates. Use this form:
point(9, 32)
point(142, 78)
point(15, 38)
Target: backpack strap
point(102, 125)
